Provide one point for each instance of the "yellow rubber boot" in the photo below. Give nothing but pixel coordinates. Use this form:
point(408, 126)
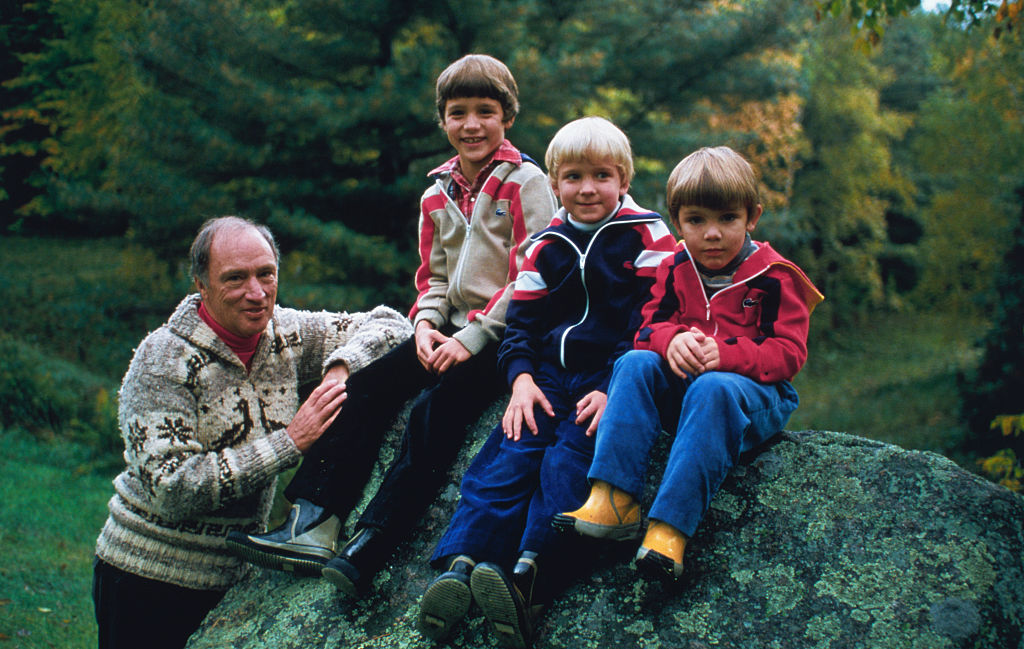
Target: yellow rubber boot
point(661, 553)
point(609, 513)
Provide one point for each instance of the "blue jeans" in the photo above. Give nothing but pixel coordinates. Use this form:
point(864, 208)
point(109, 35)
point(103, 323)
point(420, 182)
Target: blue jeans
point(512, 489)
point(716, 416)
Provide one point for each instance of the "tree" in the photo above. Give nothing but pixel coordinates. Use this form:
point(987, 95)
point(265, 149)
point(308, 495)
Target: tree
point(870, 17)
point(836, 227)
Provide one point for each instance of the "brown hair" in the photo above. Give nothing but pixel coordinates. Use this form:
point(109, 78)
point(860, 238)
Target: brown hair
point(478, 75)
point(717, 178)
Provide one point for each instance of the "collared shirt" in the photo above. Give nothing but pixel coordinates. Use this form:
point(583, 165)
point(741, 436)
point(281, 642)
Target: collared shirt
point(462, 191)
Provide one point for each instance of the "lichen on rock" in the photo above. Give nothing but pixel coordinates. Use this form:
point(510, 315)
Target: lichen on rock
point(821, 540)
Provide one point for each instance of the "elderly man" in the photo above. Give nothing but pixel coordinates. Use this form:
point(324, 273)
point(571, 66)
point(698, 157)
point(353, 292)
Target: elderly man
point(210, 414)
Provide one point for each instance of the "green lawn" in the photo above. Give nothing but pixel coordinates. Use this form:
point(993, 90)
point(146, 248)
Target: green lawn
point(51, 509)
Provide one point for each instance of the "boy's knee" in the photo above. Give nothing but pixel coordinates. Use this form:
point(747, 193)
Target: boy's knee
point(713, 387)
point(637, 360)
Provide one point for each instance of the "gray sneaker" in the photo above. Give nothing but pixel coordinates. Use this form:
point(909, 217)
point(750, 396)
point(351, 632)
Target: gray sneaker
point(307, 540)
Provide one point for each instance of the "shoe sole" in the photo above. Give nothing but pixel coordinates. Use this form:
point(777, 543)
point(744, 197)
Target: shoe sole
point(444, 604)
point(342, 581)
point(566, 523)
point(657, 566)
point(492, 594)
point(277, 558)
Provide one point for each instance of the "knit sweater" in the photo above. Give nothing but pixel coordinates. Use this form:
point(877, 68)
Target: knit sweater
point(204, 440)
point(467, 262)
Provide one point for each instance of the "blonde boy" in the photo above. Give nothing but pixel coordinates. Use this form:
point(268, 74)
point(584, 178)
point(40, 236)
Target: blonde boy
point(724, 332)
point(575, 309)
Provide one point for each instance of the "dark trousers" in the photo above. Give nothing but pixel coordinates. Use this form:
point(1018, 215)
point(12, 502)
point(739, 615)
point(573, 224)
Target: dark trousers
point(513, 489)
point(336, 468)
point(133, 611)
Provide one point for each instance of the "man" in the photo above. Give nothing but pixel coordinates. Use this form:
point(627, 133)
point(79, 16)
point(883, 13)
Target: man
point(210, 414)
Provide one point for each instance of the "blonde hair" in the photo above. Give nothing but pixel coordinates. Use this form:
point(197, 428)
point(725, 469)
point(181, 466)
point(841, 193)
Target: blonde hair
point(589, 138)
point(478, 75)
point(717, 178)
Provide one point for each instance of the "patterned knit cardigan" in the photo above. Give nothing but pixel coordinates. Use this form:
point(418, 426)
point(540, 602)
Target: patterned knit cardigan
point(204, 440)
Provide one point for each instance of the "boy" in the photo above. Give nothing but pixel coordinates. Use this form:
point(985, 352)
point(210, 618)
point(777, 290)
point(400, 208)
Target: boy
point(474, 222)
point(723, 334)
point(575, 309)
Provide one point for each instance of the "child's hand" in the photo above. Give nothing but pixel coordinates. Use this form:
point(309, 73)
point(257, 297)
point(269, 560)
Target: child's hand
point(525, 396)
point(591, 407)
point(447, 355)
point(427, 337)
point(437, 352)
point(692, 353)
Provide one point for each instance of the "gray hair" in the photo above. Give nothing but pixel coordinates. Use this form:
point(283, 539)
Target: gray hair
point(199, 254)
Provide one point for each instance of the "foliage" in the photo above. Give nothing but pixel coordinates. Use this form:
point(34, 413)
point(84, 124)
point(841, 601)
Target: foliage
point(1005, 467)
point(996, 386)
point(969, 147)
point(54, 398)
point(835, 227)
point(88, 302)
point(869, 18)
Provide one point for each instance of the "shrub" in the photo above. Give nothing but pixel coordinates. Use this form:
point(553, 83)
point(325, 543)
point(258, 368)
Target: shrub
point(52, 398)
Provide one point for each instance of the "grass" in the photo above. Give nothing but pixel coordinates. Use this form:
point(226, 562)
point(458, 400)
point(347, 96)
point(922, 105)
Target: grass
point(51, 510)
point(894, 381)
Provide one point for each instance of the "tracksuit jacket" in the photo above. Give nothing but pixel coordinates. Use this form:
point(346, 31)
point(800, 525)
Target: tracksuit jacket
point(760, 322)
point(467, 261)
point(577, 301)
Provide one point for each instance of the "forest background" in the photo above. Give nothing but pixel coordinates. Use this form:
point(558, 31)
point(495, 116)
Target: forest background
point(890, 144)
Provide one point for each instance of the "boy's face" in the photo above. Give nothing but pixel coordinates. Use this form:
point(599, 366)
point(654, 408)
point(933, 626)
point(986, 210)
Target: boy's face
point(475, 126)
point(590, 190)
point(714, 237)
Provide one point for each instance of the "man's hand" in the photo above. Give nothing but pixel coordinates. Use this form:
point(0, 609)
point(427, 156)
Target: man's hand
point(437, 352)
point(337, 372)
point(317, 413)
point(692, 353)
point(525, 396)
point(591, 407)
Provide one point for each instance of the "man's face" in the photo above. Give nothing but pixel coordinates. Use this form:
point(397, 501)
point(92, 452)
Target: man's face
point(242, 286)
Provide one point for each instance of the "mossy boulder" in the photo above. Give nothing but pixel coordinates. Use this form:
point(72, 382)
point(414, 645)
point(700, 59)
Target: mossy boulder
point(821, 540)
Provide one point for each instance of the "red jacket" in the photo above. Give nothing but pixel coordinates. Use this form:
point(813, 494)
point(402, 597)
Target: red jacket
point(760, 322)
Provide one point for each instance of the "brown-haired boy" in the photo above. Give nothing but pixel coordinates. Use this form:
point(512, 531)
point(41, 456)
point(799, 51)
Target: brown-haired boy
point(474, 222)
point(724, 332)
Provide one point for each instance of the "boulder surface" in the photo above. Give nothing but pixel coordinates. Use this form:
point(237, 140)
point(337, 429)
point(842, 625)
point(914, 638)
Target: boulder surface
point(821, 540)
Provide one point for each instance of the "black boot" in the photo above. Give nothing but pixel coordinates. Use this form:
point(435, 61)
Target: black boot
point(353, 569)
point(306, 541)
point(507, 603)
point(446, 600)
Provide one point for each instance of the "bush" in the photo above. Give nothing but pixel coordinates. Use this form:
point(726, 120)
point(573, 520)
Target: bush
point(52, 398)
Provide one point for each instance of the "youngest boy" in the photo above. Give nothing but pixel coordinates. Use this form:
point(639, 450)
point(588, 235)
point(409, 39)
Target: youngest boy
point(723, 334)
point(575, 309)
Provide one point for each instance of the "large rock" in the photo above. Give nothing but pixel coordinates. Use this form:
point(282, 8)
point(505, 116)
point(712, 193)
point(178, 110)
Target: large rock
point(822, 540)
